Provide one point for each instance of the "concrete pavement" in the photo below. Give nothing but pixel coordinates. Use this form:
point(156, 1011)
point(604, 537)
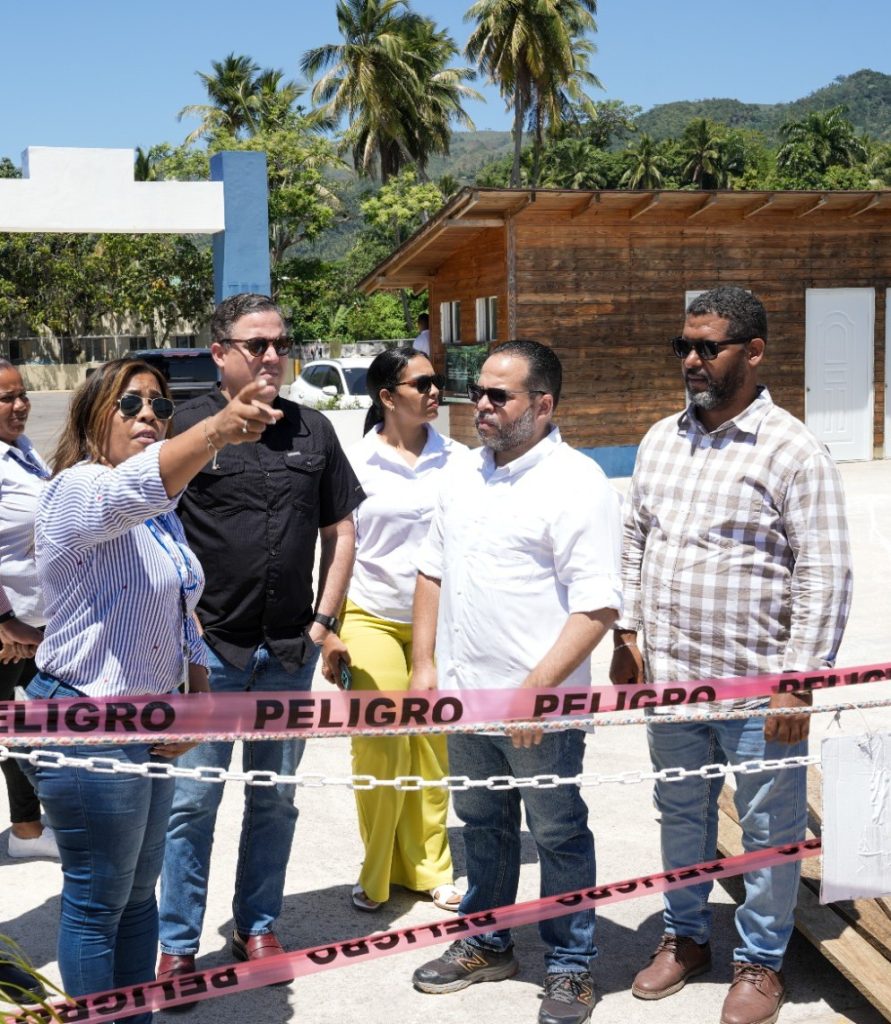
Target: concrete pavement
point(327, 855)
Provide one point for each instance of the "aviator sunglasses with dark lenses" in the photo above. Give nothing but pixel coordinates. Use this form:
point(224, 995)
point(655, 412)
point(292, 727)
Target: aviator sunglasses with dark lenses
point(706, 350)
point(131, 405)
point(424, 383)
point(257, 346)
point(499, 397)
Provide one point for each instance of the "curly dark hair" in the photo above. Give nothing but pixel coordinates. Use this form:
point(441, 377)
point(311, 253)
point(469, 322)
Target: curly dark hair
point(744, 312)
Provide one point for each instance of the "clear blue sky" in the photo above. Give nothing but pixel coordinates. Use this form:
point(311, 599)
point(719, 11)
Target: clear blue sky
point(115, 72)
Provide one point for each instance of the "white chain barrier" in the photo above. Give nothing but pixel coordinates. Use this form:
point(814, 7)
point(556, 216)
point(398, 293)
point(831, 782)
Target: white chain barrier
point(409, 783)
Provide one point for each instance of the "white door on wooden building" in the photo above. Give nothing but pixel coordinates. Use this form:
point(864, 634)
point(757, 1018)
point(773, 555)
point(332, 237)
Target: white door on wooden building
point(838, 369)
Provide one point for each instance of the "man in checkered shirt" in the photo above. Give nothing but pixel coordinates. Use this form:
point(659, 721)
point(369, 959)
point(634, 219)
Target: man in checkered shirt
point(736, 563)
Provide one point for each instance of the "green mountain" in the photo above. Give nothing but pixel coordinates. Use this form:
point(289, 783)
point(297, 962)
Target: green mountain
point(468, 152)
point(866, 94)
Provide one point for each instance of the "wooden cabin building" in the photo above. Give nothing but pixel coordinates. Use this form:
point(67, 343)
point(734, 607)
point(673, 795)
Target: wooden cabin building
point(604, 278)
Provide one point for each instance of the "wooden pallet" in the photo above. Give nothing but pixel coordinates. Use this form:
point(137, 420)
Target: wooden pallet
point(853, 935)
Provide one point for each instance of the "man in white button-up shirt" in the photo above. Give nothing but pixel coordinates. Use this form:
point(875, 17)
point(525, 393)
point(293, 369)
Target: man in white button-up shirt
point(519, 579)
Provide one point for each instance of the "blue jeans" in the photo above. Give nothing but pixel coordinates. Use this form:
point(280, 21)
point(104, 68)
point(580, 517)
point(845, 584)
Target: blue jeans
point(267, 829)
point(110, 830)
point(558, 821)
point(772, 808)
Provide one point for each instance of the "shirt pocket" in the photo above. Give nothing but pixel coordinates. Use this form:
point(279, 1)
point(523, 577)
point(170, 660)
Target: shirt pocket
point(304, 479)
point(220, 492)
point(735, 521)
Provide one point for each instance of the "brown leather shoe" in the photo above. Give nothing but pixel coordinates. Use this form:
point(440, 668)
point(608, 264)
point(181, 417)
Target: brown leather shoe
point(172, 965)
point(755, 997)
point(255, 947)
point(676, 959)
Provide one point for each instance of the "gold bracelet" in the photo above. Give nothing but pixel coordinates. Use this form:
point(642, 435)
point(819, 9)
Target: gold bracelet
point(211, 446)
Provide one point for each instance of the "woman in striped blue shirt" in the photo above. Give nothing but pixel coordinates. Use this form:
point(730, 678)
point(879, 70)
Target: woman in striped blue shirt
point(119, 585)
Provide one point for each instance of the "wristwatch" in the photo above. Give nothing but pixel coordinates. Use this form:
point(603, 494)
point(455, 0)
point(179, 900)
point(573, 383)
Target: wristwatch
point(328, 621)
point(6, 616)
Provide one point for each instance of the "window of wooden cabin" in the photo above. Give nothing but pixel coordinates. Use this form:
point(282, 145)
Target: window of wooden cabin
point(487, 318)
point(450, 322)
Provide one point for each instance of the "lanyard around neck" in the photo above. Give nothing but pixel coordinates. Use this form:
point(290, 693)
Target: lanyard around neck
point(176, 552)
point(27, 462)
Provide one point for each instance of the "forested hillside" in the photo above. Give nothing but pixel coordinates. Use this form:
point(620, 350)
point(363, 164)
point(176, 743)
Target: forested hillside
point(866, 95)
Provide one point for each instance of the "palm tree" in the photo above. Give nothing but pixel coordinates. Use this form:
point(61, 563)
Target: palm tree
point(273, 98)
point(573, 163)
point(441, 89)
point(557, 103)
point(228, 89)
point(646, 165)
point(703, 152)
point(878, 162)
point(389, 79)
point(243, 99)
point(822, 139)
point(143, 165)
point(534, 51)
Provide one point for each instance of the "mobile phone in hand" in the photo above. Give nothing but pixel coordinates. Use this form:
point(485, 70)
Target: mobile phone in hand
point(346, 677)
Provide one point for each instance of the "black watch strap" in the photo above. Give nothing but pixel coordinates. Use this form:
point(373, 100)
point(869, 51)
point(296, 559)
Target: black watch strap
point(328, 621)
point(6, 616)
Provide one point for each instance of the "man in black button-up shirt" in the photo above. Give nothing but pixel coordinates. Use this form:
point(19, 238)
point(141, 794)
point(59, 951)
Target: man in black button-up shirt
point(253, 518)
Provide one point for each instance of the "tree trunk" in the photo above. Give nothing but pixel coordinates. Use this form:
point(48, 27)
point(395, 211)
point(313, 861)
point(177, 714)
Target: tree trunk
point(406, 311)
point(537, 148)
point(517, 132)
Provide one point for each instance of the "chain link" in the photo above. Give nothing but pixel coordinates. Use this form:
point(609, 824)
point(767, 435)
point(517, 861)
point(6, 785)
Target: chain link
point(405, 783)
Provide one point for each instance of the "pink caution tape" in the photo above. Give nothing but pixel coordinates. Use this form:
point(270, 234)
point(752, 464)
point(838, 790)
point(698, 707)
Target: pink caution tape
point(336, 713)
point(125, 1002)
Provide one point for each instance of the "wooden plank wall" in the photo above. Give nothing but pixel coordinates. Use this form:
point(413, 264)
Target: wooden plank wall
point(477, 270)
point(609, 293)
point(608, 296)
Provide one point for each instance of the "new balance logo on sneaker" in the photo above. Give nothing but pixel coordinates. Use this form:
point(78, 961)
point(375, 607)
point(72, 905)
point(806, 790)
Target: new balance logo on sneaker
point(568, 998)
point(463, 964)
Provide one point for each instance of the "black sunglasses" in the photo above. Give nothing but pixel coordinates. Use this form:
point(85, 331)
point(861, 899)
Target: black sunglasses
point(499, 397)
point(257, 346)
point(424, 383)
point(131, 405)
point(706, 350)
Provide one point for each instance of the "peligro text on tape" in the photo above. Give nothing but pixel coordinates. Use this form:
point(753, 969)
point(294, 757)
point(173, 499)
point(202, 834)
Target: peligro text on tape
point(161, 995)
point(256, 715)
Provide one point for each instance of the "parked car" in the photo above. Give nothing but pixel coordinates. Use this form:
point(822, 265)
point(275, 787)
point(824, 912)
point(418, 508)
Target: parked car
point(189, 371)
point(324, 380)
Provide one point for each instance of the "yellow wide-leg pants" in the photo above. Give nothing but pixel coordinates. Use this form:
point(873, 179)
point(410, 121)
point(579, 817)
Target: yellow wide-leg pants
point(404, 833)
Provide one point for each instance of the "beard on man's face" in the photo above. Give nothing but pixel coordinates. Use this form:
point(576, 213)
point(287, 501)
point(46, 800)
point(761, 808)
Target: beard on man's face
point(505, 437)
point(718, 391)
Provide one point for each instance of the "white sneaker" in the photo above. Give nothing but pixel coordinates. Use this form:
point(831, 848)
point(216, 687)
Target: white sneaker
point(43, 845)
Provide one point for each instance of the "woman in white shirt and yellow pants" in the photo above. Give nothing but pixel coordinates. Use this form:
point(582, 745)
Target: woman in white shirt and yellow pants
point(400, 463)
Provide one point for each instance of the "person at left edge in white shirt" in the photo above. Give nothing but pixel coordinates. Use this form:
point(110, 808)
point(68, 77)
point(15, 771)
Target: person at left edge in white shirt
point(399, 462)
point(519, 579)
point(22, 476)
point(119, 585)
